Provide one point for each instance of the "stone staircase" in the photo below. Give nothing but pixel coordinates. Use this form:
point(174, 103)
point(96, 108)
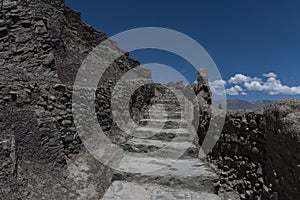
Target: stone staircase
point(161, 161)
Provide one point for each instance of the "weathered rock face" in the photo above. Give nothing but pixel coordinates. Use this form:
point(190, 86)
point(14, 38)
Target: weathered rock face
point(258, 152)
point(42, 45)
point(43, 40)
point(35, 154)
point(240, 153)
point(42, 154)
point(282, 164)
point(31, 40)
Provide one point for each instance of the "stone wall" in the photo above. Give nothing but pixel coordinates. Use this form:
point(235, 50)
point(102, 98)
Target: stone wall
point(282, 164)
point(38, 139)
point(42, 45)
point(257, 153)
point(239, 154)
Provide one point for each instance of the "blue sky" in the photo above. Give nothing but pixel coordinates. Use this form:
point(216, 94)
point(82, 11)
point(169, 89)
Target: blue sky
point(246, 39)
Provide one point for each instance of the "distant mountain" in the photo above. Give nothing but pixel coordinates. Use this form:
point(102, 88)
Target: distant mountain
point(244, 105)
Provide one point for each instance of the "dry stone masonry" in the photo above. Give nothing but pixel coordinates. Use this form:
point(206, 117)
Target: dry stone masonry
point(258, 152)
point(42, 46)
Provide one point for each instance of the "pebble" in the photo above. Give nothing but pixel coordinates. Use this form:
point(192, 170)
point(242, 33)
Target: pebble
point(28, 91)
point(52, 98)
point(2, 22)
point(50, 60)
point(255, 150)
point(66, 122)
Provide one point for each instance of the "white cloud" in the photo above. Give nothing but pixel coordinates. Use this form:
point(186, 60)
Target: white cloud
point(272, 85)
point(239, 78)
point(254, 86)
point(235, 91)
point(271, 74)
point(218, 87)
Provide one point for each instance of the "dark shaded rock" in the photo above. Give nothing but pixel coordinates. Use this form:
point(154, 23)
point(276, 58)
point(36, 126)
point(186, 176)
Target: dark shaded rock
point(50, 60)
point(59, 87)
point(3, 32)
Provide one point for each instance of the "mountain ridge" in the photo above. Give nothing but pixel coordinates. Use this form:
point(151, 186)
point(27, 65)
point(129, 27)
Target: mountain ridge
point(238, 104)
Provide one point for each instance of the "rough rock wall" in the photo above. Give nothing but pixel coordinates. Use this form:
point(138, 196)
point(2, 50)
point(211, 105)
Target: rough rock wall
point(30, 33)
point(240, 154)
point(42, 45)
point(42, 154)
point(35, 156)
point(258, 152)
point(282, 165)
point(42, 40)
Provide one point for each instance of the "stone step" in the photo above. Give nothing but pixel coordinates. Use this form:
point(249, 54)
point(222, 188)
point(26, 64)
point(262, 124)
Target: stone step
point(174, 91)
point(161, 148)
point(167, 101)
point(168, 107)
point(158, 166)
point(164, 115)
point(164, 123)
point(122, 190)
point(183, 173)
point(164, 120)
point(181, 134)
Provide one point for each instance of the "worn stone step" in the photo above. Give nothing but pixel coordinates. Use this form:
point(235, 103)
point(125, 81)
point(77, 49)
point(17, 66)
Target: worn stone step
point(168, 107)
point(164, 115)
point(167, 101)
point(181, 134)
point(183, 173)
point(159, 166)
point(163, 120)
point(161, 148)
point(122, 190)
point(164, 123)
